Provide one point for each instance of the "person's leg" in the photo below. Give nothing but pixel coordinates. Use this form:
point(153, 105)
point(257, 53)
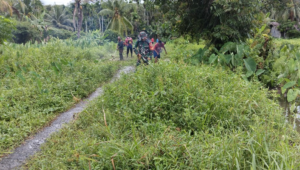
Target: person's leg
point(131, 51)
point(158, 57)
point(121, 54)
point(127, 51)
point(138, 63)
point(155, 56)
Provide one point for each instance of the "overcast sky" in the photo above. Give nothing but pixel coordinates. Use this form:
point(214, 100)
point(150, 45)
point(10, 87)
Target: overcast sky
point(57, 2)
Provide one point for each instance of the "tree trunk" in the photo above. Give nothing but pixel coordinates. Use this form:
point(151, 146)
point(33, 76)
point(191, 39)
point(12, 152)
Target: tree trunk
point(145, 16)
point(78, 11)
point(102, 25)
point(85, 25)
point(74, 17)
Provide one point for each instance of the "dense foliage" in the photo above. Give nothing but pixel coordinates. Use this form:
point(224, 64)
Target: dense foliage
point(6, 28)
point(176, 117)
point(216, 21)
point(289, 30)
point(25, 32)
point(206, 109)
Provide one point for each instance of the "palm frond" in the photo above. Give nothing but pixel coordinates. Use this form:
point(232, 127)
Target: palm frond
point(128, 7)
point(5, 7)
point(128, 24)
point(22, 5)
point(107, 12)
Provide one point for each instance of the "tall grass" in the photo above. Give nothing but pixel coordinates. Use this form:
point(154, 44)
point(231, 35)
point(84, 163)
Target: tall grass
point(172, 116)
point(37, 81)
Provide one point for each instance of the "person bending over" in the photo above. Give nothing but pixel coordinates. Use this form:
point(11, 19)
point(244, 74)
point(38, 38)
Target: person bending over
point(158, 49)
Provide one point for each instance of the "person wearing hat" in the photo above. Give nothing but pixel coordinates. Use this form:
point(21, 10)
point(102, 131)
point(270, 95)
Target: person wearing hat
point(142, 49)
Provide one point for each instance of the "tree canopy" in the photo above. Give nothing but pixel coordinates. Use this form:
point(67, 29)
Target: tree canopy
point(217, 21)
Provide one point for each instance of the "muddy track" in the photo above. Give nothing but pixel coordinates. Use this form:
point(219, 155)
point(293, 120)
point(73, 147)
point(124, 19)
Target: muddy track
point(31, 146)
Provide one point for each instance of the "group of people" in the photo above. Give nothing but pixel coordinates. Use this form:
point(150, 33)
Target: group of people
point(143, 48)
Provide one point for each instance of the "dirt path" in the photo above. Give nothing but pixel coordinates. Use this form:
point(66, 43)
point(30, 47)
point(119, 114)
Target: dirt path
point(31, 146)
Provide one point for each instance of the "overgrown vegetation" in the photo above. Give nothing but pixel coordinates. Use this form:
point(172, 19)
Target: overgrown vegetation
point(38, 81)
point(6, 27)
point(206, 108)
point(176, 117)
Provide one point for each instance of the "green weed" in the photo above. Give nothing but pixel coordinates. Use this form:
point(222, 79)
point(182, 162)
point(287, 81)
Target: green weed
point(38, 81)
point(171, 116)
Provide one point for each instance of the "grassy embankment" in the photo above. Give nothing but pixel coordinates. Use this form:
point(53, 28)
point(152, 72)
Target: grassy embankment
point(175, 116)
point(38, 81)
point(287, 41)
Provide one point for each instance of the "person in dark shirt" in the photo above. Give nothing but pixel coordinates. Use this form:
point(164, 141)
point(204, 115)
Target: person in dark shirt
point(120, 47)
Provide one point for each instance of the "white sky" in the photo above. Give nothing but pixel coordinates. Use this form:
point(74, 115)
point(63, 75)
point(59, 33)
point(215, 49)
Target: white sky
point(57, 2)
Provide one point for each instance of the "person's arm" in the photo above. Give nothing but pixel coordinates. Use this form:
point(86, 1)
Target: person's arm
point(165, 50)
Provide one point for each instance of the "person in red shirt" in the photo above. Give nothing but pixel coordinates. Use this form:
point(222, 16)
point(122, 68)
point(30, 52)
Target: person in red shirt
point(129, 46)
point(158, 49)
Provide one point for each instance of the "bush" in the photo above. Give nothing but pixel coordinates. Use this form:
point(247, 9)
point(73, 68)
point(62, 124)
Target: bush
point(111, 35)
point(293, 34)
point(289, 29)
point(60, 33)
point(26, 32)
point(171, 116)
point(6, 27)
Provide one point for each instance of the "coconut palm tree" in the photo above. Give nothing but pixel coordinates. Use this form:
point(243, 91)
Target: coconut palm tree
point(11, 6)
point(288, 10)
point(116, 10)
point(59, 18)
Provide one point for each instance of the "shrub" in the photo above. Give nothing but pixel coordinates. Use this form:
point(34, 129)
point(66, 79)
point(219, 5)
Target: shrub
point(171, 116)
point(26, 32)
point(6, 27)
point(111, 35)
point(60, 33)
point(293, 33)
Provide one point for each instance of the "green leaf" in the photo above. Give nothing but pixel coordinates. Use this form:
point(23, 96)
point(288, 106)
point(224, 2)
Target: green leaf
point(249, 73)
point(259, 72)
point(250, 64)
point(292, 95)
point(227, 58)
point(287, 85)
point(212, 58)
point(293, 107)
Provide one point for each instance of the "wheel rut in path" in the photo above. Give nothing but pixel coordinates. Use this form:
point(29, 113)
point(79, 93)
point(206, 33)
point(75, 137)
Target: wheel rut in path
point(31, 146)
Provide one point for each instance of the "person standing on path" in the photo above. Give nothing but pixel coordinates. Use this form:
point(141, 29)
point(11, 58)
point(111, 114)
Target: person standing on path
point(120, 47)
point(142, 49)
point(129, 46)
point(158, 50)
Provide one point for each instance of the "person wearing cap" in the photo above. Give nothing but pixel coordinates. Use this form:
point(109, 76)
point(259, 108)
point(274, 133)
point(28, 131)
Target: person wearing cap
point(120, 47)
point(142, 49)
